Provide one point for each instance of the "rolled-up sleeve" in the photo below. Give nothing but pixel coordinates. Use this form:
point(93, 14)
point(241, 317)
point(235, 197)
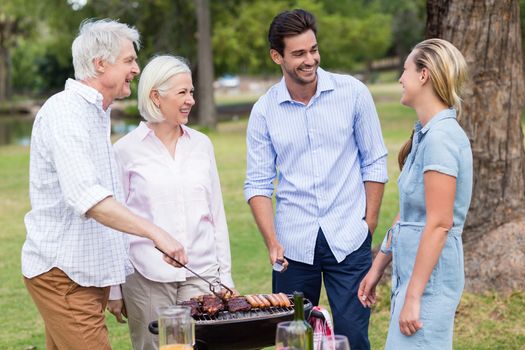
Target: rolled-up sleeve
point(260, 157)
point(71, 152)
point(369, 139)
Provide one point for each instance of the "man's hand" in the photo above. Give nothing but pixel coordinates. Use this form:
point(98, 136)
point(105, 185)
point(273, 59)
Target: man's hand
point(117, 308)
point(262, 210)
point(226, 293)
point(172, 248)
point(374, 194)
point(276, 253)
point(372, 225)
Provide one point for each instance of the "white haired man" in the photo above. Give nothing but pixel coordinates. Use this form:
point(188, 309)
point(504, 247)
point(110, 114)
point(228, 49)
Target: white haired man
point(74, 251)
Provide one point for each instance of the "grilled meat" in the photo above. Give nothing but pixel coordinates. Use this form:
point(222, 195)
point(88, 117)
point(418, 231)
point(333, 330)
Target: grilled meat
point(195, 307)
point(238, 304)
point(212, 304)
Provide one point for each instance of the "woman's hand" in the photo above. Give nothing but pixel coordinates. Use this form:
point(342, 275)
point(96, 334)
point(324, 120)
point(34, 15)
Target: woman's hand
point(409, 322)
point(117, 308)
point(367, 288)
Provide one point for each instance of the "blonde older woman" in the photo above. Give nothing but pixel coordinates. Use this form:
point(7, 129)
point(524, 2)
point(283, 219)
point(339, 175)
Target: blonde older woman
point(170, 177)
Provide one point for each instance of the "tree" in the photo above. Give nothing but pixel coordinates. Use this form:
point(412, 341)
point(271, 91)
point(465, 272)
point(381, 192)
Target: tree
point(408, 25)
point(206, 113)
point(348, 32)
point(17, 20)
point(488, 34)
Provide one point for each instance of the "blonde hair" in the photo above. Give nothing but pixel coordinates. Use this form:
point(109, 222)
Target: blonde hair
point(447, 69)
point(156, 76)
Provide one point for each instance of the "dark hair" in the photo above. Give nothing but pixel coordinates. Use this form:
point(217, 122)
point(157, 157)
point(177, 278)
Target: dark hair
point(289, 23)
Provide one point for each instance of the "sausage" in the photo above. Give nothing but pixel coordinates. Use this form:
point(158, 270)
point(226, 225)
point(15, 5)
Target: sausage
point(264, 300)
point(251, 300)
point(273, 300)
point(285, 300)
point(260, 303)
point(282, 302)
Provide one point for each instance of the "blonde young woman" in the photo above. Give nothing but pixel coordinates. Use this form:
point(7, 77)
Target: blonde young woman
point(435, 187)
point(170, 177)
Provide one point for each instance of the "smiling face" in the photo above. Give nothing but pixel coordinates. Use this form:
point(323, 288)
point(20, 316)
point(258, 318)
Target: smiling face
point(115, 78)
point(300, 58)
point(411, 80)
point(175, 103)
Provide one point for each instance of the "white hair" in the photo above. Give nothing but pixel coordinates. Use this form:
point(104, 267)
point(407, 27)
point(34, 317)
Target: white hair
point(156, 76)
point(99, 39)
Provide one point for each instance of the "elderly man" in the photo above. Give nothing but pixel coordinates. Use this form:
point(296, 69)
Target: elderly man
point(74, 251)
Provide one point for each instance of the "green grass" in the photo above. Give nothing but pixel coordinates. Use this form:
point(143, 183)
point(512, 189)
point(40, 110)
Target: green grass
point(485, 321)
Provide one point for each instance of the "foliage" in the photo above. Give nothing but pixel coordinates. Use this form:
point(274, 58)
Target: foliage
point(239, 39)
point(18, 20)
point(348, 32)
point(27, 77)
point(408, 25)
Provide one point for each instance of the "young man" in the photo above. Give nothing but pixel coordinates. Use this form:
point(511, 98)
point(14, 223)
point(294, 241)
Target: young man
point(320, 133)
point(73, 253)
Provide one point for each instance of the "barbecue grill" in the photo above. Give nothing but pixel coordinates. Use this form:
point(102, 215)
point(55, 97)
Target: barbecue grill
point(253, 329)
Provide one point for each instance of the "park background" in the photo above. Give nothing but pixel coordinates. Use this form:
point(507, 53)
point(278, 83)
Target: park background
point(366, 38)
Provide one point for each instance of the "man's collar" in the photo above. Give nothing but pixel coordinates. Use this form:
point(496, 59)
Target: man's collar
point(324, 83)
point(87, 92)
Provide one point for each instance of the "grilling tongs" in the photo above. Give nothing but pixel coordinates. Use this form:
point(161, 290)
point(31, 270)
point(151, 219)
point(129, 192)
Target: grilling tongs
point(213, 286)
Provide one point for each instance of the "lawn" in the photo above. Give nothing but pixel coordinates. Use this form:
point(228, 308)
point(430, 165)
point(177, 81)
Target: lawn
point(487, 321)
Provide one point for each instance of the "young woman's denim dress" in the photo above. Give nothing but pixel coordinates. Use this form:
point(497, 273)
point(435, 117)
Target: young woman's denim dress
point(441, 145)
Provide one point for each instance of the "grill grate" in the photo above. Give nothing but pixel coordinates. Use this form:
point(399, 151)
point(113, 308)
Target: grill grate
point(253, 314)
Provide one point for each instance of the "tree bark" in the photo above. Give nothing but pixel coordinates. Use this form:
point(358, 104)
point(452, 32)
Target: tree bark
point(488, 33)
point(4, 76)
point(207, 114)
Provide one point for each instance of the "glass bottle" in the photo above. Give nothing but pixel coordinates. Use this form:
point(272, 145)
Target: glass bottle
point(298, 300)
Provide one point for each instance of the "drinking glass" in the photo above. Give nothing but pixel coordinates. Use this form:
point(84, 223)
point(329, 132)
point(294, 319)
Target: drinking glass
point(291, 335)
point(335, 342)
point(176, 328)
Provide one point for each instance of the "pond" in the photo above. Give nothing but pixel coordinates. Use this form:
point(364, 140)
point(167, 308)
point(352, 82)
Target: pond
point(16, 129)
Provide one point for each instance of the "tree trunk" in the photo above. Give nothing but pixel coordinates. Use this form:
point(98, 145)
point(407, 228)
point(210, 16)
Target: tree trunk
point(488, 33)
point(4, 76)
point(206, 112)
